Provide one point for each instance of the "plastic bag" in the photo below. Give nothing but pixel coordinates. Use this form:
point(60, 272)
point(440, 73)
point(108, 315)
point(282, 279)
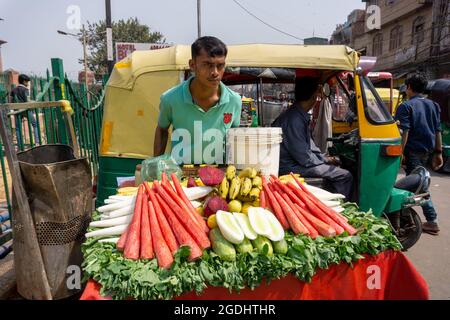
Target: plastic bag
point(152, 168)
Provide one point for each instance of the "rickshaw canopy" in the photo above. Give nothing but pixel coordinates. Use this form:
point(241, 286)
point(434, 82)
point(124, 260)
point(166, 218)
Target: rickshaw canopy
point(137, 82)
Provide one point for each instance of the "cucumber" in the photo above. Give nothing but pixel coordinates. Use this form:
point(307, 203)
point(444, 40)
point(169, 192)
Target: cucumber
point(223, 248)
point(244, 246)
point(261, 242)
point(280, 247)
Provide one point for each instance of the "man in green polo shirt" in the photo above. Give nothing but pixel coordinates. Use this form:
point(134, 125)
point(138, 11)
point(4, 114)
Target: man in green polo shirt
point(200, 110)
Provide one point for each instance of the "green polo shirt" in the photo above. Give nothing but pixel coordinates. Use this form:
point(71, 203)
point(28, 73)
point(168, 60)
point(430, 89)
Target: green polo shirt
point(198, 136)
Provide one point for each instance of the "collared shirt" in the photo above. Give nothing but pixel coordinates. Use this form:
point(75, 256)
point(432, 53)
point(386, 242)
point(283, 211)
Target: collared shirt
point(421, 117)
point(195, 128)
point(297, 149)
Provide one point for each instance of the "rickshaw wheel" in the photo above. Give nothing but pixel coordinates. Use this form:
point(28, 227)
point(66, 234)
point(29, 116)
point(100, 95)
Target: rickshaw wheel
point(410, 228)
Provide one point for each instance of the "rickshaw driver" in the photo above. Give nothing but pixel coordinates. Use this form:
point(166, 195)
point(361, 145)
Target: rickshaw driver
point(298, 153)
point(202, 99)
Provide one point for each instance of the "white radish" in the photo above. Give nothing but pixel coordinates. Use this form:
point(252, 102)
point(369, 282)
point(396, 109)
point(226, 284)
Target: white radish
point(112, 231)
point(109, 201)
point(338, 209)
point(122, 211)
point(117, 205)
point(112, 222)
point(196, 204)
point(111, 240)
point(195, 193)
point(331, 204)
point(104, 216)
point(322, 194)
point(119, 197)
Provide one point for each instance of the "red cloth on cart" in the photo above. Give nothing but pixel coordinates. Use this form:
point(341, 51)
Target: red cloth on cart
point(388, 275)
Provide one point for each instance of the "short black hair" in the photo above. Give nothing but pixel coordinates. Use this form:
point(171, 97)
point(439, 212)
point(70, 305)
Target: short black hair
point(23, 78)
point(305, 88)
point(212, 46)
point(417, 81)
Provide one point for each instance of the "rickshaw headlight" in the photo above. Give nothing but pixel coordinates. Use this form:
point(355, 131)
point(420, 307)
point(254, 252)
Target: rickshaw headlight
point(391, 150)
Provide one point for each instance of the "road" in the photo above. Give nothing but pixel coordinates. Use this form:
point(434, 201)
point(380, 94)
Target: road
point(431, 254)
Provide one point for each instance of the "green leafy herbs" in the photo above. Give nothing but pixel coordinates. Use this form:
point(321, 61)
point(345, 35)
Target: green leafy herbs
point(124, 279)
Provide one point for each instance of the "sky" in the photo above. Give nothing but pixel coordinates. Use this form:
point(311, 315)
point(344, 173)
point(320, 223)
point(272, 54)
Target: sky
point(30, 26)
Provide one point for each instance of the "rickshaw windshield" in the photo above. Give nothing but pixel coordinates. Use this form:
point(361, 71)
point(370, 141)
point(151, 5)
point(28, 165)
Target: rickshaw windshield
point(374, 108)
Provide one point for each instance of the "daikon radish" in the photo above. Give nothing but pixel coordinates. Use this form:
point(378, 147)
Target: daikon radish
point(122, 211)
point(117, 205)
point(196, 204)
point(331, 203)
point(195, 193)
point(109, 201)
point(112, 231)
point(111, 240)
point(119, 197)
point(322, 194)
point(112, 222)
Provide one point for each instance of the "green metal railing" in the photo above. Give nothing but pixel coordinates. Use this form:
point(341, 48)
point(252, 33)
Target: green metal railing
point(29, 128)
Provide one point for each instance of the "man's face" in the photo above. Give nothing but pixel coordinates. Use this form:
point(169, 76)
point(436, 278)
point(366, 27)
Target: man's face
point(26, 83)
point(208, 70)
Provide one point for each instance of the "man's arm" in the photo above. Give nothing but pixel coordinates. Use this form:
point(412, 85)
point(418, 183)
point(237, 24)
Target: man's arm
point(160, 143)
point(437, 161)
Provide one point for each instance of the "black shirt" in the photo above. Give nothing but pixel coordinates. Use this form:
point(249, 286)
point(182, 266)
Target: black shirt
point(297, 149)
point(20, 94)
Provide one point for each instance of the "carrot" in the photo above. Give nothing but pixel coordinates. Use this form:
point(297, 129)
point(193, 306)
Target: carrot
point(163, 224)
point(311, 231)
point(275, 187)
point(262, 199)
point(164, 179)
point(183, 205)
point(188, 203)
point(162, 251)
point(122, 240)
point(318, 213)
point(133, 243)
point(291, 193)
point(297, 192)
point(183, 237)
point(324, 229)
point(336, 217)
point(294, 221)
point(195, 231)
point(146, 234)
point(275, 206)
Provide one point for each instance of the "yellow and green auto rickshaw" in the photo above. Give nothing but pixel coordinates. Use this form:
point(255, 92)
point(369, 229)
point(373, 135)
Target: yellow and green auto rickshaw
point(371, 151)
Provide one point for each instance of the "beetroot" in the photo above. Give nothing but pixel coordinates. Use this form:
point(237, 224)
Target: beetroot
point(210, 176)
point(191, 183)
point(214, 204)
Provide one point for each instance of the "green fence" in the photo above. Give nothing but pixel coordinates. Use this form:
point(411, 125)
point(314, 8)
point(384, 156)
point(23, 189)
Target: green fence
point(46, 126)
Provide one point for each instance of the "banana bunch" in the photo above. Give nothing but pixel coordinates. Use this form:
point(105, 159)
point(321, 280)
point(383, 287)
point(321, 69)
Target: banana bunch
point(128, 191)
point(244, 186)
point(224, 188)
point(235, 187)
point(288, 178)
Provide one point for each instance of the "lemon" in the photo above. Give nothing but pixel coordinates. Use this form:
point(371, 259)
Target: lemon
point(200, 211)
point(212, 221)
point(246, 206)
point(235, 206)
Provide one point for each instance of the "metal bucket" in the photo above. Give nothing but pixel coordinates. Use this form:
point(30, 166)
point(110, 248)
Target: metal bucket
point(59, 191)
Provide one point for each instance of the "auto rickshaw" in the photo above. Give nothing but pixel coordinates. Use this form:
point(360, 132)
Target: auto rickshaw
point(371, 151)
point(439, 91)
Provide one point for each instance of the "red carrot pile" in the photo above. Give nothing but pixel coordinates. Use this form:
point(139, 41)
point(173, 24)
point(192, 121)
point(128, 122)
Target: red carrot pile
point(164, 219)
point(298, 209)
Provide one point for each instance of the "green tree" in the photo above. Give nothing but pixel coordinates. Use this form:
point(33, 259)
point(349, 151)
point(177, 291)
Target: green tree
point(130, 30)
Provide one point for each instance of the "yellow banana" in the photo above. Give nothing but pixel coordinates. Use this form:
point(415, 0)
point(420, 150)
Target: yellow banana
point(230, 172)
point(246, 186)
point(224, 188)
point(235, 187)
point(257, 182)
point(254, 193)
point(248, 173)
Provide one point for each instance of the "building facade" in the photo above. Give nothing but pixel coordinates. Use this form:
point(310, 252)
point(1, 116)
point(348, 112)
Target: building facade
point(413, 35)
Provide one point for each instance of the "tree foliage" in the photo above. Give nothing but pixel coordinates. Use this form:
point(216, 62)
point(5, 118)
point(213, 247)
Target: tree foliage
point(130, 30)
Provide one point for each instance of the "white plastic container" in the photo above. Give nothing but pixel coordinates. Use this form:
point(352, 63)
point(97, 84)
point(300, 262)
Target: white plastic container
point(254, 147)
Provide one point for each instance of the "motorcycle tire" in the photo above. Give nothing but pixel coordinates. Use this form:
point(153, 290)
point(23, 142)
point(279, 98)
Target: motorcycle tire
point(410, 228)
